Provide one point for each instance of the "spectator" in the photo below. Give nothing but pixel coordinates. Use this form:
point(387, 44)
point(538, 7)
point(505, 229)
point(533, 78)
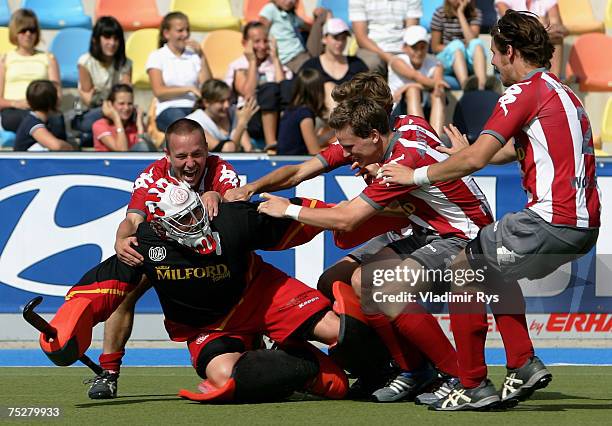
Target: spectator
point(33, 133)
point(99, 70)
point(176, 70)
point(259, 73)
point(122, 127)
point(417, 78)
point(378, 26)
point(333, 65)
point(224, 126)
point(548, 12)
point(18, 68)
point(296, 133)
point(455, 28)
point(284, 25)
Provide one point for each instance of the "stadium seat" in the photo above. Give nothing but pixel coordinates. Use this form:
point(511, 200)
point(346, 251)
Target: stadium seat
point(578, 18)
point(606, 127)
point(140, 13)
point(207, 15)
point(138, 46)
point(472, 112)
point(489, 15)
point(339, 8)
point(55, 15)
point(588, 63)
point(221, 47)
point(5, 44)
point(251, 8)
point(609, 15)
point(67, 46)
point(7, 139)
point(429, 7)
point(5, 13)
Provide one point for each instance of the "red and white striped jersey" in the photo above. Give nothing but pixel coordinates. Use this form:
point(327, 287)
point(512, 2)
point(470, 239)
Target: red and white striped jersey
point(554, 146)
point(452, 208)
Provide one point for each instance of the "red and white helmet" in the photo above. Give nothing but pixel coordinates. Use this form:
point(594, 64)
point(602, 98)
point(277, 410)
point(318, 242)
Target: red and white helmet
point(178, 214)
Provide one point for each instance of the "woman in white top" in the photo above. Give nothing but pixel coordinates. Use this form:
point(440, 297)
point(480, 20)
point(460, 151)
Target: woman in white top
point(99, 70)
point(176, 70)
point(224, 126)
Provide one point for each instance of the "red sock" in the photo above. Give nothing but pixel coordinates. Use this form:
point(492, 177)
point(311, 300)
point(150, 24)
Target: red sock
point(111, 362)
point(423, 330)
point(404, 353)
point(470, 331)
point(517, 343)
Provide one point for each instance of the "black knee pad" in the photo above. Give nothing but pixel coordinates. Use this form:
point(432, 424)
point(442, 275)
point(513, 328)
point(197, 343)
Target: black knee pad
point(221, 345)
point(305, 331)
point(272, 375)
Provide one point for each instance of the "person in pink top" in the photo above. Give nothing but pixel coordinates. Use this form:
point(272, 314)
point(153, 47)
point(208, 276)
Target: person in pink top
point(548, 11)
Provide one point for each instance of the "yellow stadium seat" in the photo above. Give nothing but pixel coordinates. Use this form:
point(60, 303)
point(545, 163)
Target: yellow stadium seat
point(578, 18)
point(606, 128)
point(221, 47)
point(138, 47)
point(207, 15)
point(5, 44)
point(609, 15)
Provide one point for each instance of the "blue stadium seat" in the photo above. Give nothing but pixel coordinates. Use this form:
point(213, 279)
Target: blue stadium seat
point(58, 14)
point(5, 13)
point(67, 46)
point(429, 7)
point(338, 7)
point(7, 139)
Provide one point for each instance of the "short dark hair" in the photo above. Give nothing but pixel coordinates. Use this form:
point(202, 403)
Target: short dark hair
point(368, 85)
point(249, 26)
point(362, 114)
point(183, 126)
point(119, 88)
point(525, 33)
point(308, 90)
point(108, 26)
point(42, 95)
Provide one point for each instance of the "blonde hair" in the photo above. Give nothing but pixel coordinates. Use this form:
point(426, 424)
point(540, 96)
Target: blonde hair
point(20, 19)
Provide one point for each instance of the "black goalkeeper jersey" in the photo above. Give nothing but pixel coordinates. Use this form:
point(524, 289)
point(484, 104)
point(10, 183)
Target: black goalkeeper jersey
point(196, 289)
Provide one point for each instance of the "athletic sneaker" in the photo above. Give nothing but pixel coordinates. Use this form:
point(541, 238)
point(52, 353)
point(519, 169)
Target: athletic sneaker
point(445, 387)
point(406, 385)
point(364, 387)
point(103, 386)
point(482, 397)
point(521, 383)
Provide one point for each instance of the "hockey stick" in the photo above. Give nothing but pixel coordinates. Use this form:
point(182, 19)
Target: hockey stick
point(48, 330)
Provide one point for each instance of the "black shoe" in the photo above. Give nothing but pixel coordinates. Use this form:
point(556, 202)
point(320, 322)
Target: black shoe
point(103, 386)
point(521, 383)
point(365, 386)
point(483, 397)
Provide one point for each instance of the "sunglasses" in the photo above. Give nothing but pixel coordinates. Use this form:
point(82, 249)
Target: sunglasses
point(32, 30)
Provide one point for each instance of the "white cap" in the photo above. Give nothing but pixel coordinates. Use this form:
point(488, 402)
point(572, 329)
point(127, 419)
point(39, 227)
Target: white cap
point(415, 33)
point(335, 26)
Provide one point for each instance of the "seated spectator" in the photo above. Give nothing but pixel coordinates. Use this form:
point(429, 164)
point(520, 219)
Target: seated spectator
point(296, 133)
point(224, 126)
point(332, 64)
point(99, 70)
point(417, 78)
point(284, 25)
point(33, 133)
point(455, 28)
point(259, 73)
point(176, 70)
point(548, 12)
point(378, 27)
point(122, 127)
point(18, 68)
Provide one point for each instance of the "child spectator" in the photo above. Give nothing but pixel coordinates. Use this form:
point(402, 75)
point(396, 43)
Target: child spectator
point(259, 73)
point(176, 70)
point(224, 126)
point(99, 70)
point(296, 133)
point(33, 133)
point(284, 25)
point(19, 67)
point(417, 78)
point(122, 127)
point(455, 28)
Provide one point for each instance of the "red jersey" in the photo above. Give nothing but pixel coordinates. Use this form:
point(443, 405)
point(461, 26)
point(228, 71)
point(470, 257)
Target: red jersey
point(219, 176)
point(452, 208)
point(554, 145)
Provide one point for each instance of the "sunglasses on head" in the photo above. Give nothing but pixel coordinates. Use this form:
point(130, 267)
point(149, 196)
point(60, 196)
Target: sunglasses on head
point(28, 29)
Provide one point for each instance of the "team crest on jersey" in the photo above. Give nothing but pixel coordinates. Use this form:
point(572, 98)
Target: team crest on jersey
point(157, 254)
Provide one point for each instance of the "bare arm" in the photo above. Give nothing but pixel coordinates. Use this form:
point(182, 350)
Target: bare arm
point(502, 8)
point(470, 32)
point(505, 155)
point(245, 82)
point(307, 128)
point(125, 238)
point(163, 92)
point(436, 41)
point(86, 87)
point(403, 69)
point(49, 141)
point(360, 29)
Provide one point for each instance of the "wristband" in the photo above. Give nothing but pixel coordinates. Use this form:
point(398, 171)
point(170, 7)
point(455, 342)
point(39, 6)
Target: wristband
point(293, 211)
point(120, 130)
point(420, 176)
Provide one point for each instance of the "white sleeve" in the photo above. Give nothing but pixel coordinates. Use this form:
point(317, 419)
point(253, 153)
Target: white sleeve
point(415, 9)
point(357, 10)
point(154, 60)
